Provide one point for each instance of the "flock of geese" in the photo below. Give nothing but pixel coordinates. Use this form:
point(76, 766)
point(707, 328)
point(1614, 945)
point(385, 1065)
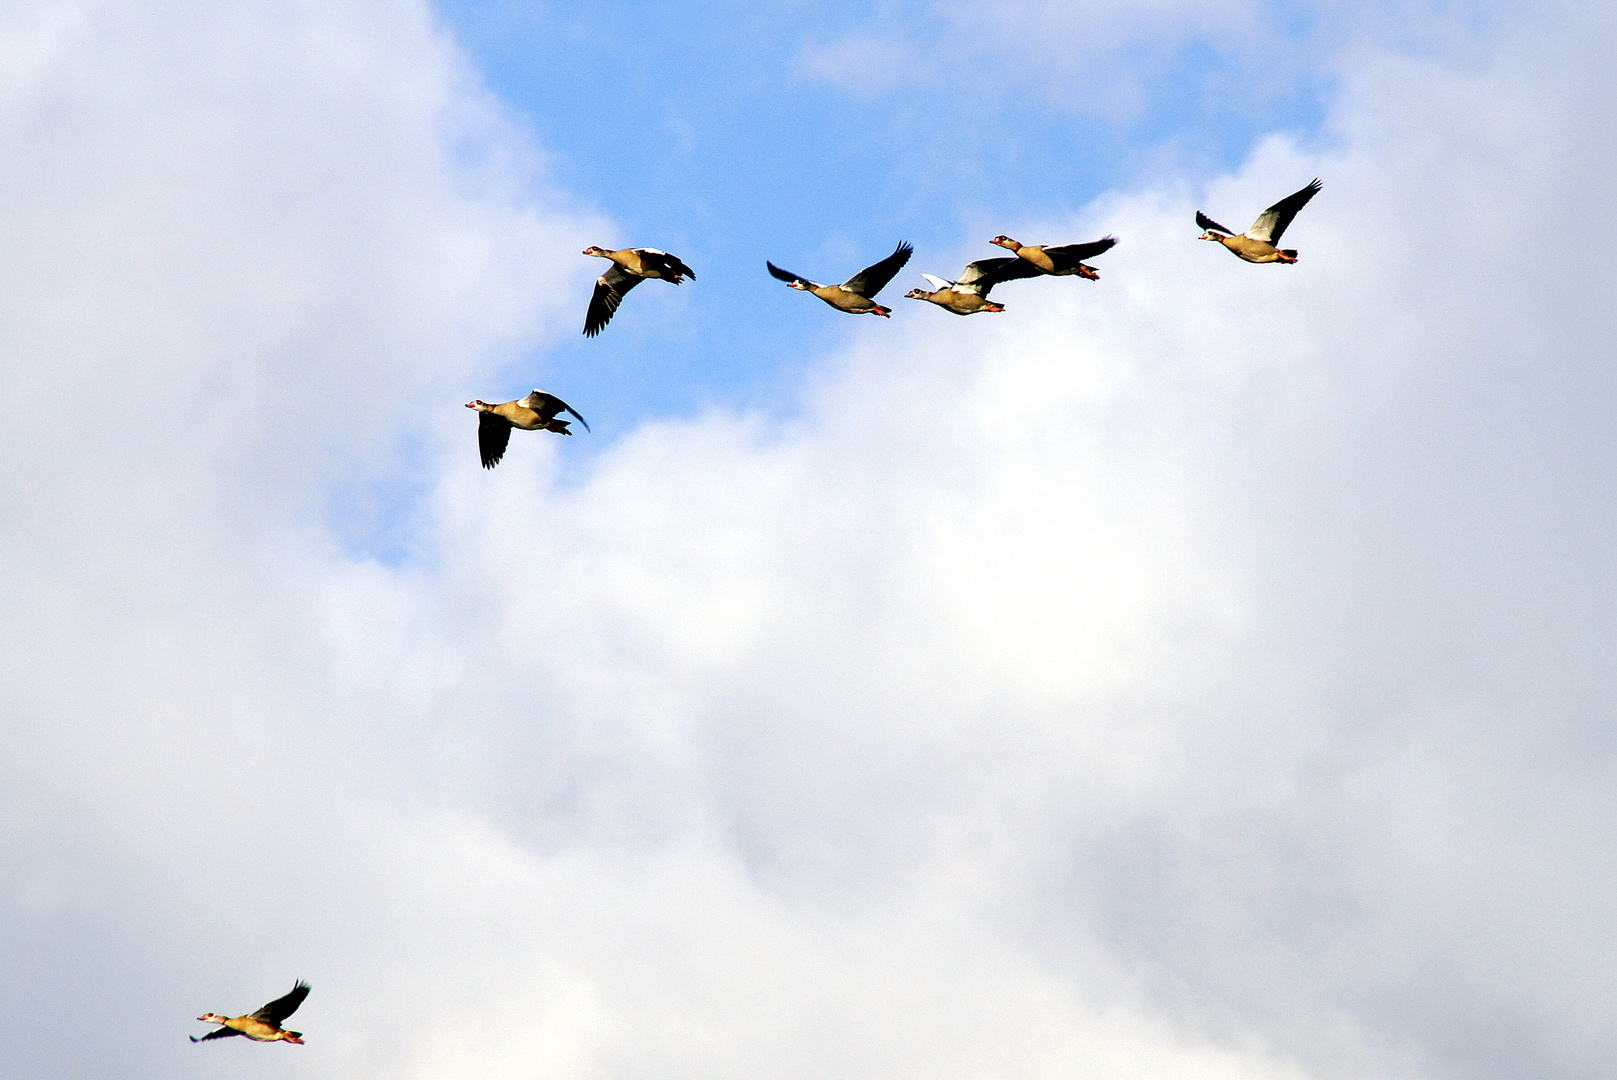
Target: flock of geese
point(966, 295)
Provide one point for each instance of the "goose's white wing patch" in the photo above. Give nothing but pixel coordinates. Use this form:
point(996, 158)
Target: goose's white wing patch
point(1263, 229)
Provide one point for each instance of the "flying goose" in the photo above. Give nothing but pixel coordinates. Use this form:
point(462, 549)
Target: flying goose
point(1257, 244)
point(630, 267)
point(536, 412)
point(857, 295)
point(1061, 261)
point(263, 1025)
point(969, 295)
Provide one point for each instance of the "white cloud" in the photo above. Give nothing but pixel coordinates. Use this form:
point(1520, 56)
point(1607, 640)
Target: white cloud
point(1195, 674)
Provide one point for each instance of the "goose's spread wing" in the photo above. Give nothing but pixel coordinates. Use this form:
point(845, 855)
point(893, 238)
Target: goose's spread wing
point(549, 405)
point(1208, 223)
point(937, 282)
point(667, 265)
point(493, 435)
point(282, 1007)
point(787, 276)
point(873, 279)
point(1273, 221)
point(1067, 256)
point(222, 1033)
point(981, 276)
point(610, 289)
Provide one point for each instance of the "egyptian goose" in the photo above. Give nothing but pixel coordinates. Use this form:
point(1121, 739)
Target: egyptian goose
point(263, 1025)
point(857, 295)
point(1257, 244)
point(1064, 260)
point(536, 412)
point(969, 295)
point(630, 267)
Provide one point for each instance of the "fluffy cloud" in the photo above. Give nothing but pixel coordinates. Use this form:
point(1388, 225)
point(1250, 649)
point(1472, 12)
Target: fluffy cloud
point(1200, 673)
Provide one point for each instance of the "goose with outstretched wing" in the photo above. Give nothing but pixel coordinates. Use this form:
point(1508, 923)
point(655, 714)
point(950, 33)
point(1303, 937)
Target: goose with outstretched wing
point(263, 1025)
point(857, 295)
point(1061, 260)
point(630, 267)
point(1257, 244)
point(969, 295)
point(538, 411)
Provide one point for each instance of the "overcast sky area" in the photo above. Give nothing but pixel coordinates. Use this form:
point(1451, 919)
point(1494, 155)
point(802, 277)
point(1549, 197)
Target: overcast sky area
point(1205, 673)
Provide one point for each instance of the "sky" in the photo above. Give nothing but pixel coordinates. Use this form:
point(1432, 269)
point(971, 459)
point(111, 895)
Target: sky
point(1199, 674)
point(819, 135)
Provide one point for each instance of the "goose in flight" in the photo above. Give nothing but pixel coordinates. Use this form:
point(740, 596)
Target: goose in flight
point(1063, 260)
point(857, 295)
point(1257, 244)
point(969, 295)
point(263, 1025)
point(538, 411)
point(630, 267)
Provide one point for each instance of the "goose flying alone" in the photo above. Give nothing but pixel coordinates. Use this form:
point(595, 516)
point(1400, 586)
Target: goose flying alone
point(263, 1025)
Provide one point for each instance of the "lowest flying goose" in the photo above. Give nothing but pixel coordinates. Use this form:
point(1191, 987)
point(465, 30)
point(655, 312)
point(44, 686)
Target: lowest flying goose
point(263, 1025)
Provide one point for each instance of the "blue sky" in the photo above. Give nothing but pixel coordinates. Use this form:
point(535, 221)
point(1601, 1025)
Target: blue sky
point(709, 131)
